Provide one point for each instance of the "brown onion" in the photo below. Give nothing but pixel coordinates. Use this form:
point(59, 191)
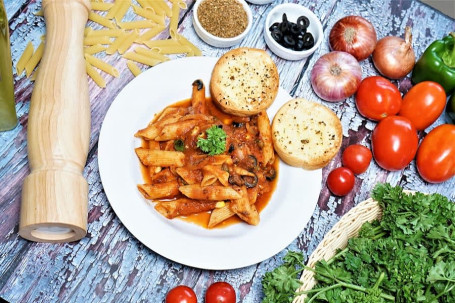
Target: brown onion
point(354, 35)
point(393, 56)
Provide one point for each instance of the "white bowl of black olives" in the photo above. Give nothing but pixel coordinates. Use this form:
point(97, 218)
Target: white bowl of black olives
point(292, 31)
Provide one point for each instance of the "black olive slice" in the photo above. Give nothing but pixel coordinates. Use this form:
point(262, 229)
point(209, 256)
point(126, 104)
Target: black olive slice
point(308, 40)
point(237, 124)
point(303, 21)
point(289, 41)
point(277, 35)
point(274, 26)
point(250, 181)
point(295, 29)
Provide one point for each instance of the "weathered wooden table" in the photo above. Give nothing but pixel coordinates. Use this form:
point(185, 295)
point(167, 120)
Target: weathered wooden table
point(109, 264)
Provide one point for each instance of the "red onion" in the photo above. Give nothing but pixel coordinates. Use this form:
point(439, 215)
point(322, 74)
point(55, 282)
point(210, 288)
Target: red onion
point(394, 57)
point(336, 76)
point(354, 35)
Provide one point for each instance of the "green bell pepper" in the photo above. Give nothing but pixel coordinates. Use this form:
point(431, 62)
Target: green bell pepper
point(437, 64)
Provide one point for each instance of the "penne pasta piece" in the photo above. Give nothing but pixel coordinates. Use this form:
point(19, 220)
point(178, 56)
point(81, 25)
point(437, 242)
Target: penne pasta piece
point(87, 30)
point(144, 4)
point(94, 49)
point(265, 135)
point(190, 176)
point(101, 20)
point(126, 44)
point(174, 18)
point(154, 129)
point(162, 6)
point(213, 193)
point(95, 75)
point(203, 160)
point(149, 14)
point(184, 42)
point(116, 32)
point(34, 60)
point(151, 33)
point(177, 49)
point(123, 8)
point(219, 215)
point(183, 207)
point(168, 111)
point(35, 74)
point(114, 46)
point(162, 43)
point(114, 9)
point(92, 40)
point(160, 157)
point(150, 53)
point(213, 173)
point(100, 64)
point(136, 24)
point(163, 176)
point(242, 208)
point(101, 6)
point(159, 190)
point(25, 57)
point(141, 58)
point(135, 70)
point(198, 97)
point(176, 130)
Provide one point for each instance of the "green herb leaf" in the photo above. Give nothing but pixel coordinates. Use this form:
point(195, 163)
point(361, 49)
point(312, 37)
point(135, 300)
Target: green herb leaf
point(215, 143)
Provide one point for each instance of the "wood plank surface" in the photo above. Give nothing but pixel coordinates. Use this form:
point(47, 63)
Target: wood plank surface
point(110, 265)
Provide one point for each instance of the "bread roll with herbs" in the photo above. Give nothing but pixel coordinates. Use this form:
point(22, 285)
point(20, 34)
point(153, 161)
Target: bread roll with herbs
point(244, 81)
point(306, 134)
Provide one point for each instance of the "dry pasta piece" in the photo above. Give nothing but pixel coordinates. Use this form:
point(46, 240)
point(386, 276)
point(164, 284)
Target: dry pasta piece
point(116, 44)
point(101, 20)
point(173, 23)
point(150, 53)
point(126, 44)
point(135, 70)
point(35, 74)
point(110, 32)
point(212, 192)
point(141, 58)
point(93, 49)
point(144, 4)
point(101, 6)
point(154, 5)
point(25, 57)
point(100, 64)
point(164, 7)
point(160, 157)
point(151, 33)
point(91, 40)
point(34, 60)
point(95, 75)
point(124, 6)
point(149, 14)
point(159, 190)
point(136, 24)
point(183, 41)
point(161, 43)
point(114, 9)
point(183, 207)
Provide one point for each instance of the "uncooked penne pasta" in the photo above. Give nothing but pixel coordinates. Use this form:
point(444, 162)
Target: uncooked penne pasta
point(265, 134)
point(144, 4)
point(25, 57)
point(154, 5)
point(101, 6)
point(101, 20)
point(160, 157)
point(93, 49)
point(183, 41)
point(95, 75)
point(164, 7)
point(213, 192)
point(135, 70)
point(175, 12)
point(100, 64)
point(110, 32)
point(34, 60)
point(151, 53)
point(114, 9)
point(92, 40)
point(114, 46)
point(183, 207)
point(161, 43)
point(159, 190)
point(151, 33)
point(178, 49)
point(141, 58)
point(126, 44)
point(124, 6)
point(136, 24)
point(149, 14)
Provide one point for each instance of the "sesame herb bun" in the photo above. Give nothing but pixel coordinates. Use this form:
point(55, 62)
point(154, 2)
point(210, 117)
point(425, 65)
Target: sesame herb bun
point(244, 81)
point(306, 134)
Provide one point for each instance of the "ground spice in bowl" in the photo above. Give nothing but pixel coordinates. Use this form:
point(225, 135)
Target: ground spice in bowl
point(223, 18)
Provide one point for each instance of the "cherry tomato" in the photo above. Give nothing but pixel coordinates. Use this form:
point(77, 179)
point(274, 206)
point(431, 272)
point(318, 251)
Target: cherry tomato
point(394, 142)
point(340, 181)
point(357, 158)
point(436, 155)
point(181, 294)
point(377, 98)
point(423, 104)
point(220, 292)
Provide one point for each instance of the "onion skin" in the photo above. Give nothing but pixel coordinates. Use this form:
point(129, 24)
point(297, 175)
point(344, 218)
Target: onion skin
point(336, 76)
point(394, 57)
point(354, 35)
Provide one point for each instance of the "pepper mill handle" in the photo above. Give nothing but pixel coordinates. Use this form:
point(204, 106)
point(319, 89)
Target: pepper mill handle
point(55, 194)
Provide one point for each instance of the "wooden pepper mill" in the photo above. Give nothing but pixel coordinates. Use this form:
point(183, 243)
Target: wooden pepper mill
point(55, 194)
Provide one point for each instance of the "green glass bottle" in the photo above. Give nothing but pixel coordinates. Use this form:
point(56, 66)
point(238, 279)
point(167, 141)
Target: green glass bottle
point(8, 118)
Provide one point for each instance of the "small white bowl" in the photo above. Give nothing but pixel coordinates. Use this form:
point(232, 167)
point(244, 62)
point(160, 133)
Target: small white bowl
point(292, 11)
point(218, 41)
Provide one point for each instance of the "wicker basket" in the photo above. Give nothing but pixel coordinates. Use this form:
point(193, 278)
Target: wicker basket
point(337, 238)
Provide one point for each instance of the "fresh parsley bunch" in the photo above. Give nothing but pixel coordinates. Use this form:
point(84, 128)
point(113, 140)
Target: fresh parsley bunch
point(215, 143)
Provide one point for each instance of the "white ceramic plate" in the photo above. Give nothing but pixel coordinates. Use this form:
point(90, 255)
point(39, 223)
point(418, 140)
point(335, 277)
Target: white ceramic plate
point(235, 246)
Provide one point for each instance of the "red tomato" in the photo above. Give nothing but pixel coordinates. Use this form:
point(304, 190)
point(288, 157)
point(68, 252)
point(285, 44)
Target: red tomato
point(357, 158)
point(394, 143)
point(220, 292)
point(340, 181)
point(436, 155)
point(377, 98)
point(181, 294)
point(423, 104)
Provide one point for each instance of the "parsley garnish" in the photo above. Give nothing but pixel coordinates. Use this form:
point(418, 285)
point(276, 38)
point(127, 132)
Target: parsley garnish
point(215, 143)
point(407, 256)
